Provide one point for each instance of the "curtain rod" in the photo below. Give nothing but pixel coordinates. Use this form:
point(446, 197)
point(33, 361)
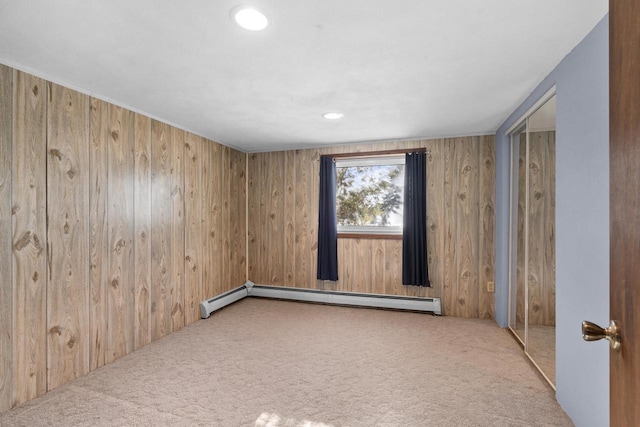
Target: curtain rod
point(378, 153)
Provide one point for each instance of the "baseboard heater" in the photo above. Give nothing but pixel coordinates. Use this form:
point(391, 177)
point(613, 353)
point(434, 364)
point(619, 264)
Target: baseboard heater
point(430, 305)
point(216, 303)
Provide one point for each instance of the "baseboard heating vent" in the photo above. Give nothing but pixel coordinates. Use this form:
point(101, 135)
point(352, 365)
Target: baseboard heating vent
point(210, 305)
point(432, 305)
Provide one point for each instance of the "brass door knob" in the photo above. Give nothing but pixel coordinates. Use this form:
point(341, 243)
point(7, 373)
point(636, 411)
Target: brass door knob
point(593, 332)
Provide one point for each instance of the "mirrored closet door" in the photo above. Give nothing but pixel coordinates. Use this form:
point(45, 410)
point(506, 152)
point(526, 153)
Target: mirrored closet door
point(532, 287)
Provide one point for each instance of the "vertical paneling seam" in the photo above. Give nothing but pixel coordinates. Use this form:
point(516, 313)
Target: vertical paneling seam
point(46, 232)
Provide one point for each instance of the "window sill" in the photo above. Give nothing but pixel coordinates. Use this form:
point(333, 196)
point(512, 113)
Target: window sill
point(369, 236)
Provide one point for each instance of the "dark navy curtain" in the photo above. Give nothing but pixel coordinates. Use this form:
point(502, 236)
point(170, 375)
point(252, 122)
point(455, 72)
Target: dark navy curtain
point(414, 234)
point(327, 223)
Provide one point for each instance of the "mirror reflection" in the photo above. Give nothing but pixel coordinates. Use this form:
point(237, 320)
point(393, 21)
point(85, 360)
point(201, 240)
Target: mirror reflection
point(533, 285)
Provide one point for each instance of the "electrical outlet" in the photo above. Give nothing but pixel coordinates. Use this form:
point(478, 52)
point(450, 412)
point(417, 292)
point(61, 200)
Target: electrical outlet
point(490, 287)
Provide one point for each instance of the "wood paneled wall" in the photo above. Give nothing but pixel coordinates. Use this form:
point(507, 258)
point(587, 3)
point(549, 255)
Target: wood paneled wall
point(542, 241)
point(283, 212)
point(113, 227)
point(7, 332)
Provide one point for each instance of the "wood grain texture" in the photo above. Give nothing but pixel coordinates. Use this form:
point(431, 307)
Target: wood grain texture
point(177, 228)
point(193, 227)
point(486, 190)
point(142, 189)
point(376, 283)
point(624, 149)
point(68, 235)
point(435, 214)
point(225, 232)
point(121, 281)
point(79, 288)
point(454, 221)
point(467, 227)
point(253, 211)
point(208, 221)
point(314, 172)
point(217, 228)
point(549, 295)
point(289, 218)
point(541, 227)
point(393, 268)
point(264, 218)
point(238, 217)
point(450, 279)
point(302, 162)
point(98, 232)
point(276, 218)
point(161, 210)
point(535, 280)
point(29, 237)
point(6, 267)
point(520, 230)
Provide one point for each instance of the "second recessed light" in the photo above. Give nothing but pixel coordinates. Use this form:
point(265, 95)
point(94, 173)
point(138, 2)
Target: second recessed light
point(333, 116)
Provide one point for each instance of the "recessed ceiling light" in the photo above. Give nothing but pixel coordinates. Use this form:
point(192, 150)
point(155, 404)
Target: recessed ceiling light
point(249, 17)
point(333, 116)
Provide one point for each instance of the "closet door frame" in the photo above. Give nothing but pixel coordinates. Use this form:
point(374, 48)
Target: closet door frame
point(515, 131)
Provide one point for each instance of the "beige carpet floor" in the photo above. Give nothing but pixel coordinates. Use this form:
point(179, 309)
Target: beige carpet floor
point(276, 363)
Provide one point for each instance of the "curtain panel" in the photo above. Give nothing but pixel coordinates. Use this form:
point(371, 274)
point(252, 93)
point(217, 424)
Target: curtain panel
point(414, 235)
point(327, 222)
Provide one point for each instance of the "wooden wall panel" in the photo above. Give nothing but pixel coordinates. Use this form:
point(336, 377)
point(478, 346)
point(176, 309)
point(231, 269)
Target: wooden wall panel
point(393, 267)
point(225, 228)
point(314, 173)
point(289, 220)
point(449, 277)
point(193, 227)
point(68, 235)
point(253, 212)
point(161, 212)
point(29, 165)
point(98, 232)
point(467, 227)
point(125, 205)
point(376, 283)
point(302, 239)
point(177, 228)
point(6, 268)
point(142, 230)
point(121, 301)
point(208, 220)
point(276, 218)
point(486, 190)
point(456, 253)
point(449, 282)
point(435, 214)
point(265, 193)
point(238, 218)
point(215, 210)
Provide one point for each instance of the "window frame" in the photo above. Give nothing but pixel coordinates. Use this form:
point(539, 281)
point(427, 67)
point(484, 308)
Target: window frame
point(366, 232)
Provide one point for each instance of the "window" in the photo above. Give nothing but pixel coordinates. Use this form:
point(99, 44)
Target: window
point(369, 194)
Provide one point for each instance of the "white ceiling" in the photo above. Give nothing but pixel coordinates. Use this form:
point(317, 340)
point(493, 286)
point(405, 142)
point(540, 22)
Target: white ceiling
point(395, 68)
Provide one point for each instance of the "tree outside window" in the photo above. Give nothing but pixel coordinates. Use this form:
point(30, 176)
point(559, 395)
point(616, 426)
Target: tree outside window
point(369, 194)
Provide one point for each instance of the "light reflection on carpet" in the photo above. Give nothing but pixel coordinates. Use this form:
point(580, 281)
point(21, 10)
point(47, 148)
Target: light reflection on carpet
point(274, 420)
